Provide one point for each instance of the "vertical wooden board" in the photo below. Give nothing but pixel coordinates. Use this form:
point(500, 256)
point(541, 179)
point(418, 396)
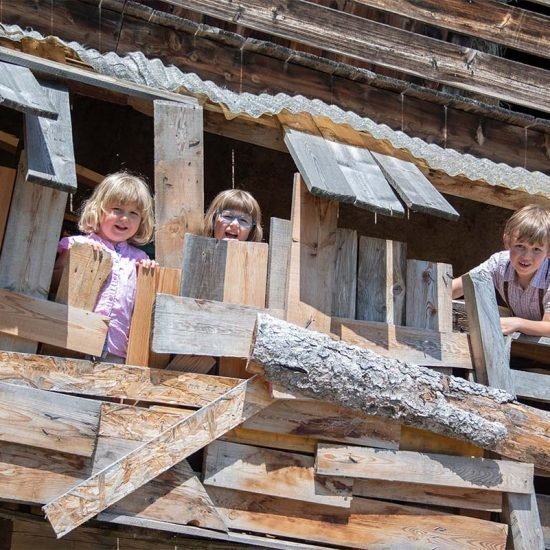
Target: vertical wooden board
point(344, 286)
point(179, 178)
point(521, 513)
point(49, 143)
point(381, 280)
point(490, 354)
point(277, 270)
point(30, 244)
point(543, 504)
point(7, 181)
point(429, 299)
point(203, 271)
point(312, 259)
point(270, 472)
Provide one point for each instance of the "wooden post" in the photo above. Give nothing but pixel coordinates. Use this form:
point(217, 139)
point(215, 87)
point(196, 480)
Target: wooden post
point(179, 175)
point(7, 181)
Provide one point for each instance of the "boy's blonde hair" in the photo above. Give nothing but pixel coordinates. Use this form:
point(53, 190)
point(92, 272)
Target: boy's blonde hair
point(234, 199)
point(531, 224)
point(120, 188)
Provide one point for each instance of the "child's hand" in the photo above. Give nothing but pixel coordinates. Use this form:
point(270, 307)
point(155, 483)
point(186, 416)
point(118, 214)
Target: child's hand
point(148, 264)
point(510, 325)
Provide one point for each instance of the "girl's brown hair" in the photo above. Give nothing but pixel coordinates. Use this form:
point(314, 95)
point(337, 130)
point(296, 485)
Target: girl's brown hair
point(119, 188)
point(531, 224)
point(234, 199)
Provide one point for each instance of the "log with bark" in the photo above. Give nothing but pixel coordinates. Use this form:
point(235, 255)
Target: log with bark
point(315, 365)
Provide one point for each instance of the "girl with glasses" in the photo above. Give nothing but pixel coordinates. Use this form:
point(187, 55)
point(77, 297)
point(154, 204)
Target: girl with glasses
point(234, 214)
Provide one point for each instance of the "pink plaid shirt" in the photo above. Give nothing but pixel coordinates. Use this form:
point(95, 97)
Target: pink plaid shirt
point(525, 303)
point(116, 299)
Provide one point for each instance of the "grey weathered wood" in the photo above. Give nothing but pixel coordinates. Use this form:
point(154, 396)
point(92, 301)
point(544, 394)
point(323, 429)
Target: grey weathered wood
point(315, 365)
point(414, 188)
point(203, 269)
point(344, 287)
point(179, 178)
point(372, 191)
point(521, 513)
point(531, 385)
point(48, 420)
point(49, 143)
point(318, 167)
point(277, 269)
point(19, 90)
point(490, 354)
point(381, 280)
point(189, 326)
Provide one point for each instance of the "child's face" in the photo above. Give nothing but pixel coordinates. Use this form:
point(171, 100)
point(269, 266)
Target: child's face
point(120, 222)
point(233, 224)
point(525, 258)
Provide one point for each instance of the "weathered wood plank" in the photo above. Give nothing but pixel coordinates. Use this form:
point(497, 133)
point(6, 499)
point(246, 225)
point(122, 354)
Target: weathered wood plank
point(367, 524)
point(414, 188)
point(191, 363)
point(490, 354)
point(543, 504)
point(344, 285)
point(111, 380)
point(270, 472)
point(49, 143)
point(318, 167)
point(422, 493)
point(432, 469)
point(422, 347)
point(157, 455)
point(521, 513)
point(7, 181)
point(429, 301)
point(381, 280)
point(311, 262)
point(19, 90)
point(52, 323)
point(179, 178)
point(277, 271)
point(531, 385)
point(48, 420)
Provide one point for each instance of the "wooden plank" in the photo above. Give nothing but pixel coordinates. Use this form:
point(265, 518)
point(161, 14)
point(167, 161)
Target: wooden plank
point(157, 455)
point(277, 270)
point(318, 167)
point(326, 421)
point(312, 259)
point(367, 524)
point(424, 493)
point(48, 420)
point(285, 442)
point(19, 90)
point(423, 347)
point(364, 176)
point(202, 327)
point(7, 181)
point(344, 286)
point(543, 503)
point(381, 280)
point(63, 326)
point(149, 282)
point(179, 178)
point(32, 231)
point(522, 515)
point(490, 355)
point(531, 385)
point(191, 363)
point(429, 300)
point(203, 271)
point(49, 143)
point(422, 441)
point(111, 380)
point(434, 469)
point(84, 276)
point(270, 472)
point(414, 188)
point(388, 46)
point(514, 27)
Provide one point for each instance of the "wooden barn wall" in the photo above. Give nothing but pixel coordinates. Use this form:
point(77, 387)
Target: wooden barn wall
point(108, 137)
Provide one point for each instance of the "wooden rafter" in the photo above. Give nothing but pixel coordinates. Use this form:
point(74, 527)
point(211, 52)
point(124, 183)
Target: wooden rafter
point(362, 39)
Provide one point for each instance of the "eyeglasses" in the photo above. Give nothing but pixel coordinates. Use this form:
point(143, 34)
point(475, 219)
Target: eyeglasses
point(244, 221)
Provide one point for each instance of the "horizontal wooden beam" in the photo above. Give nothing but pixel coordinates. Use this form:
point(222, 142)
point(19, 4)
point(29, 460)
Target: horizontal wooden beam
point(372, 42)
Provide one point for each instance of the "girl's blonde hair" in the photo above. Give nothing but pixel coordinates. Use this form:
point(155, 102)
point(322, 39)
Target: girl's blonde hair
point(234, 199)
point(531, 224)
point(120, 188)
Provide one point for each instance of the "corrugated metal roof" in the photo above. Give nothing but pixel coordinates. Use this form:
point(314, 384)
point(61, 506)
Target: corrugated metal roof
point(135, 67)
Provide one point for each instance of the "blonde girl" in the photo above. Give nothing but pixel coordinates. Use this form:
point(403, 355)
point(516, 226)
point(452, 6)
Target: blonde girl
point(234, 214)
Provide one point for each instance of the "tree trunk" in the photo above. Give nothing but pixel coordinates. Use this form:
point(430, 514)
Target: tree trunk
point(315, 365)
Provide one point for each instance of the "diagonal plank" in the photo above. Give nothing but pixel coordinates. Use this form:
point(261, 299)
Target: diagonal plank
point(154, 457)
